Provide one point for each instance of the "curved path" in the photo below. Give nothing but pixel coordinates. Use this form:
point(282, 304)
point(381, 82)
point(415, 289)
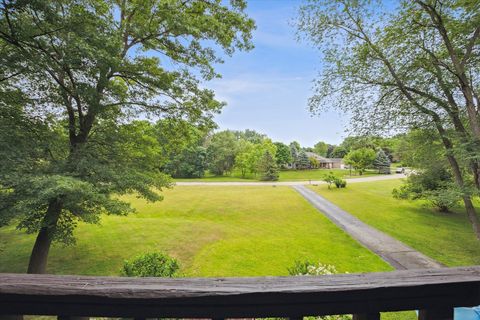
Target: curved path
point(284, 183)
point(397, 254)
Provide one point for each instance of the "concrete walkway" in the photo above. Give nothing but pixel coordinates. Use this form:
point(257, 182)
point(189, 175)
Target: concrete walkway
point(285, 183)
point(396, 253)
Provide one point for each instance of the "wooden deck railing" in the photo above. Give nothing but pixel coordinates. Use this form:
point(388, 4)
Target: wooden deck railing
point(434, 292)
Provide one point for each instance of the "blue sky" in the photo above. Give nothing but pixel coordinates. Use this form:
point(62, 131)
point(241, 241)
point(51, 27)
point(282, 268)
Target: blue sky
point(267, 88)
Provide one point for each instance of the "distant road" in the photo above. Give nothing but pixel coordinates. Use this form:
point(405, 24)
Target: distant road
point(286, 183)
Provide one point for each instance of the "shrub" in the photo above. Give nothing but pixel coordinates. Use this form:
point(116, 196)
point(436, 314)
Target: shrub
point(154, 264)
point(330, 178)
point(340, 183)
point(299, 268)
point(433, 185)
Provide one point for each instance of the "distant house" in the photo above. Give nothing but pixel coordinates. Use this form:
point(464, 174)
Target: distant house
point(327, 163)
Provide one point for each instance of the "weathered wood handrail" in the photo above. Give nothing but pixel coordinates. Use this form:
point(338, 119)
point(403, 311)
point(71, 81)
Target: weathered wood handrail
point(436, 292)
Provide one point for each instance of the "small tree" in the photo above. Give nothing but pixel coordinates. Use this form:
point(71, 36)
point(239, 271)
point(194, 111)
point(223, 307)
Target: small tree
point(302, 161)
point(360, 159)
point(313, 162)
point(268, 167)
point(329, 179)
point(382, 162)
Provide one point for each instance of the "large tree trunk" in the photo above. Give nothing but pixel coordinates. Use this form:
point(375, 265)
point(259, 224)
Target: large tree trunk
point(476, 174)
point(472, 215)
point(39, 256)
point(457, 174)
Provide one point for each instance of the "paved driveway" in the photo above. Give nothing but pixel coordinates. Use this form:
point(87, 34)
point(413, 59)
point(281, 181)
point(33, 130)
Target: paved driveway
point(396, 253)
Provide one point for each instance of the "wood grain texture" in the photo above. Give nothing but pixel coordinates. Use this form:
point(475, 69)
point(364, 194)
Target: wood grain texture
point(239, 297)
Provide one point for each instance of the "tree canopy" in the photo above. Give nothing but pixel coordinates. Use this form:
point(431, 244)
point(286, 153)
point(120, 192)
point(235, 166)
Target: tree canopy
point(415, 67)
point(80, 73)
point(360, 159)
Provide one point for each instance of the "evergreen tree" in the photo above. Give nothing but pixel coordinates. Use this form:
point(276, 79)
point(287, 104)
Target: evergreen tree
point(294, 149)
point(268, 167)
point(302, 161)
point(382, 162)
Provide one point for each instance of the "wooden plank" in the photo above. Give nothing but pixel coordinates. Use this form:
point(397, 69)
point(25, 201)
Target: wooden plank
point(239, 297)
point(439, 313)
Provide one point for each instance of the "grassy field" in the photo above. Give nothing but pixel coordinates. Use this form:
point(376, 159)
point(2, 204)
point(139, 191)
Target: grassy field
point(213, 231)
point(286, 175)
point(447, 238)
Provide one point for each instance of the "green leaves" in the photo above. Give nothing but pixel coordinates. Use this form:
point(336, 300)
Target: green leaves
point(360, 159)
point(77, 75)
point(154, 264)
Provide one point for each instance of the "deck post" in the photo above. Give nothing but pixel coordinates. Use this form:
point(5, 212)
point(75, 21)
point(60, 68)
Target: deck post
point(436, 314)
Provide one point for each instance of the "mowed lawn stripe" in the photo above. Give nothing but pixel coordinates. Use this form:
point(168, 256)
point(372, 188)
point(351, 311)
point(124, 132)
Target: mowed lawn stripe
point(445, 237)
point(213, 231)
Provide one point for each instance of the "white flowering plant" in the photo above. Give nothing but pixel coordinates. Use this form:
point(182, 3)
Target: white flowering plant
point(307, 268)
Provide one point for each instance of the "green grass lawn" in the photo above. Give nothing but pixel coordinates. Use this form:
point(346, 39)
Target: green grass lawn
point(286, 175)
point(213, 231)
point(447, 238)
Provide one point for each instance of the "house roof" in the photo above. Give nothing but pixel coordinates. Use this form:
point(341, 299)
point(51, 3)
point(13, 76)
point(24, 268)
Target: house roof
point(321, 159)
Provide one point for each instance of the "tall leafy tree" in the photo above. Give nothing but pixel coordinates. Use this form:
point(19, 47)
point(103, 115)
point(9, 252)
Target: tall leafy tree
point(283, 155)
point(243, 158)
point(190, 163)
point(338, 152)
point(248, 160)
point(250, 135)
point(414, 68)
point(82, 71)
point(330, 149)
point(360, 159)
point(321, 148)
point(222, 148)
